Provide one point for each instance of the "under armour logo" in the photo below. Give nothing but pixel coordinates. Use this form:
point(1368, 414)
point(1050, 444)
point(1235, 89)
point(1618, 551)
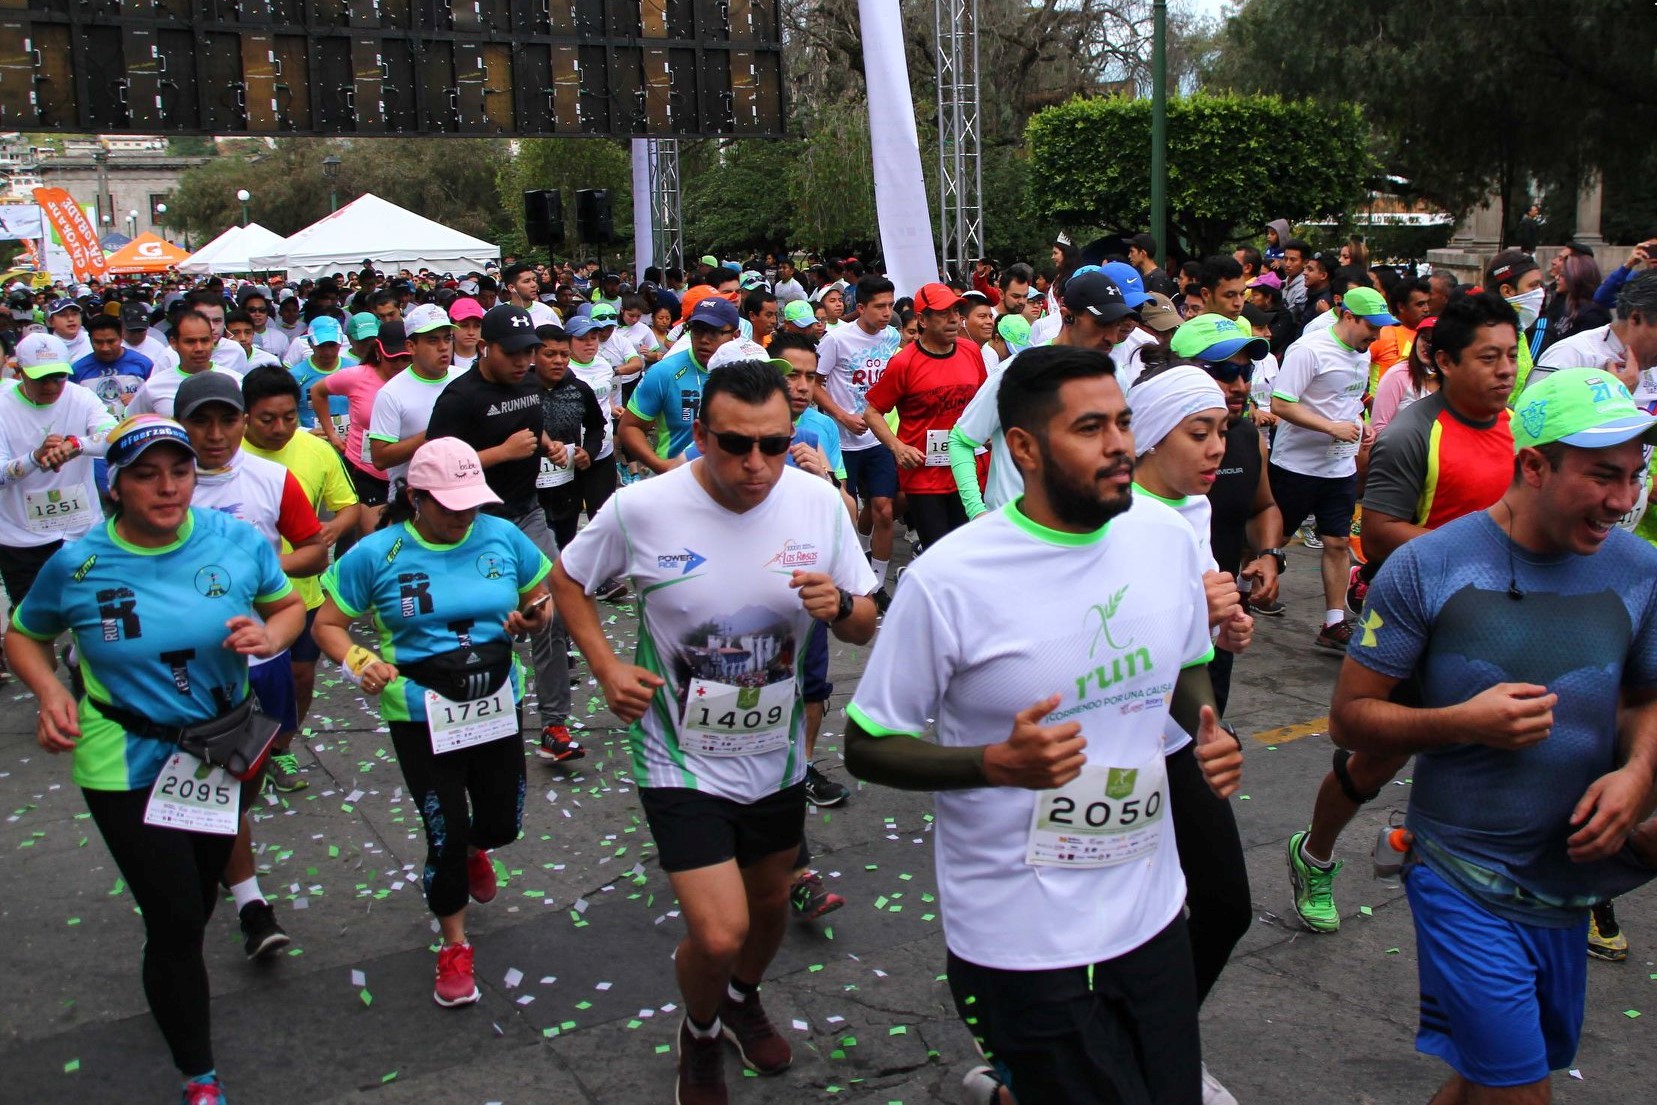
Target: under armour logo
point(520, 320)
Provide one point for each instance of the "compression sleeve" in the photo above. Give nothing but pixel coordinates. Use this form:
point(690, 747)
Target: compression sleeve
point(963, 465)
point(906, 762)
point(1192, 691)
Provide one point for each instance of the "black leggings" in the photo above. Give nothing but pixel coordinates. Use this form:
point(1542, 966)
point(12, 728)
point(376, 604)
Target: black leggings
point(1216, 877)
point(174, 878)
point(470, 797)
point(596, 483)
point(933, 516)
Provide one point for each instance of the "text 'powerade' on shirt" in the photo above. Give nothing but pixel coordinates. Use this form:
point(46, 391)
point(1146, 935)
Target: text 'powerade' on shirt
point(150, 627)
point(716, 609)
point(1116, 617)
point(428, 599)
point(1586, 629)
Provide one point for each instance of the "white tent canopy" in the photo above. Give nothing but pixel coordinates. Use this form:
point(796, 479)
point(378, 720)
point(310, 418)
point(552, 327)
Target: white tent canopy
point(372, 228)
point(233, 251)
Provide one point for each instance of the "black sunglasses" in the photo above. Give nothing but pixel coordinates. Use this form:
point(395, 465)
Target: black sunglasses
point(1227, 371)
point(740, 445)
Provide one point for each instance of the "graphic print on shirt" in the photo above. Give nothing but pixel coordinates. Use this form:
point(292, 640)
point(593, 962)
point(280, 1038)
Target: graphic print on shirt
point(735, 675)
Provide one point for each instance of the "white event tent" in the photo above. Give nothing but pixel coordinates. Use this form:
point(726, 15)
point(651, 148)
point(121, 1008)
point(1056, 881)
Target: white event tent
point(375, 229)
point(234, 250)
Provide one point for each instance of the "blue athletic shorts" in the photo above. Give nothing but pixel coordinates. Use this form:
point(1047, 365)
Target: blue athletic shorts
point(304, 649)
point(1501, 1002)
point(273, 683)
point(871, 473)
point(815, 687)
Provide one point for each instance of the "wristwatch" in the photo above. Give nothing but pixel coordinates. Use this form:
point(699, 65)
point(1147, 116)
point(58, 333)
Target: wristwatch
point(847, 602)
point(1277, 555)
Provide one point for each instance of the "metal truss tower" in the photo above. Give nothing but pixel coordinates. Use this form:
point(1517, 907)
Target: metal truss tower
point(960, 169)
point(668, 246)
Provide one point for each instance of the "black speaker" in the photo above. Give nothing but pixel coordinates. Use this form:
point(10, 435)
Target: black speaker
point(593, 222)
point(544, 217)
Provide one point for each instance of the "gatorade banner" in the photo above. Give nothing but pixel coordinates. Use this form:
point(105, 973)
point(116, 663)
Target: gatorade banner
point(80, 240)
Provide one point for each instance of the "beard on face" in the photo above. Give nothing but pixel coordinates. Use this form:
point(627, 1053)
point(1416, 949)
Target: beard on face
point(1078, 502)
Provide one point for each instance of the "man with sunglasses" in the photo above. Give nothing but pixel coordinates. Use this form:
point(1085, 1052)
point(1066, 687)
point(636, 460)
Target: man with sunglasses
point(755, 553)
point(265, 335)
point(670, 392)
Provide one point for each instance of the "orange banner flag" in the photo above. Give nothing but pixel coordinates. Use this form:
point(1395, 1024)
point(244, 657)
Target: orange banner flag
point(80, 239)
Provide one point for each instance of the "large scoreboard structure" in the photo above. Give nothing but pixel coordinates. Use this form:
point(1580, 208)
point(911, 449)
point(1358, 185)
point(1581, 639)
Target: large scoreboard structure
point(516, 68)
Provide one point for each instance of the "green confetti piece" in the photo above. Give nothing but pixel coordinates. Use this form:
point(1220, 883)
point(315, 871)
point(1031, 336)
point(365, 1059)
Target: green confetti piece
point(1366, 911)
point(815, 967)
point(828, 931)
point(837, 1054)
point(663, 1049)
point(71, 1066)
point(549, 1033)
point(929, 916)
point(880, 902)
point(367, 998)
point(1271, 748)
point(898, 1030)
point(635, 1023)
point(906, 876)
point(390, 1076)
point(74, 921)
point(1631, 1014)
point(1394, 951)
point(583, 1005)
point(567, 1026)
point(333, 851)
point(871, 867)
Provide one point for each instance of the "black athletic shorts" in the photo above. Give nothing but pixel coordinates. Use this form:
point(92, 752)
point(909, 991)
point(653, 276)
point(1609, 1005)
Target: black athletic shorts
point(304, 649)
point(371, 490)
point(19, 565)
point(696, 829)
point(1329, 499)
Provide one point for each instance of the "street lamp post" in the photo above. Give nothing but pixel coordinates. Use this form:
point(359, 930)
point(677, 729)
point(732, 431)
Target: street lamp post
point(244, 196)
point(330, 169)
point(132, 223)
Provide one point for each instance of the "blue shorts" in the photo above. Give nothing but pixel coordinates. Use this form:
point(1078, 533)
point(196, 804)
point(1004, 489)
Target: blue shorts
point(1501, 1002)
point(273, 684)
point(871, 473)
point(304, 649)
point(815, 687)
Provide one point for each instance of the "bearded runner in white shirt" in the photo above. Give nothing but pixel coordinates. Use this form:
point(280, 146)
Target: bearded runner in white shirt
point(733, 556)
point(1066, 818)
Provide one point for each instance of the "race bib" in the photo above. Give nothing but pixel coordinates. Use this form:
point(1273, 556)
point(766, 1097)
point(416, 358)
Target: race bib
point(1103, 817)
point(56, 511)
point(554, 475)
point(456, 725)
point(194, 796)
point(724, 720)
point(937, 448)
point(342, 424)
point(1341, 450)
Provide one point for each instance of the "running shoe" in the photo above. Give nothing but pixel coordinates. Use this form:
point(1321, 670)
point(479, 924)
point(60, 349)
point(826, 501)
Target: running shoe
point(701, 1070)
point(1212, 1092)
point(981, 1086)
point(557, 746)
point(611, 590)
point(810, 899)
point(480, 877)
point(262, 937)
point(763, 1051)
point(1357, 590)
point(1309, 537)
point(456, 984)
point(820, 790)
point(284, 773)
point(207, 1090)
point(1605, 937)
point(1272, 609)
point(882, 600)
point(1314, 889)
point(1335, 637)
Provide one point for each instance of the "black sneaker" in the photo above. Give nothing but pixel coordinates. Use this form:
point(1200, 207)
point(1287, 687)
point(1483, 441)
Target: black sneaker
point(611, 590)
point(1272, 609)
point(262, 936)
point(1335, 637)
point(820, 790)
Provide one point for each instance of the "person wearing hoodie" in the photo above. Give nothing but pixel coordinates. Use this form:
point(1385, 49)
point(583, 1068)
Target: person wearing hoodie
point(1278, 233)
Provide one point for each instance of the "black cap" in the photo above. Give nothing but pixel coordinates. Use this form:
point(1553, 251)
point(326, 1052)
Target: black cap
point(393, 338)
point(1097, 295)
point(134, 317)
point(511, 328)
point(202, 388)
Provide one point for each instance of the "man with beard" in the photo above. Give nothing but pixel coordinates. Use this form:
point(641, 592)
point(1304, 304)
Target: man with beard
point(1066, 817)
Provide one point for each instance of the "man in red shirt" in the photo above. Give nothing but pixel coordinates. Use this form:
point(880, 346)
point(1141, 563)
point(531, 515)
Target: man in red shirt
point(929, 383)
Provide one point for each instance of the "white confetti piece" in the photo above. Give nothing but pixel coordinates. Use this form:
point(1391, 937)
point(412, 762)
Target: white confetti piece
point(513, 977)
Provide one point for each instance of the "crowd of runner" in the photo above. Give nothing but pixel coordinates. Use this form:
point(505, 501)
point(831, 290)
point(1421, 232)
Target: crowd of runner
point(207, 487)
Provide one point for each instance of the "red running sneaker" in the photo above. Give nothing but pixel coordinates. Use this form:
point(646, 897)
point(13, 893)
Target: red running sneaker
point(480, 877)
point(456, 984)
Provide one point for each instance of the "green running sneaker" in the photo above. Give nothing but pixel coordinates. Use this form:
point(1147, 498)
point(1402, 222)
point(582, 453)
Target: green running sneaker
point(1314, 890)
point(284, 773)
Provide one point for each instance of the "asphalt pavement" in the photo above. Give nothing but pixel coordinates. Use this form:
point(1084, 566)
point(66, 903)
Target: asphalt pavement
point(574, 956)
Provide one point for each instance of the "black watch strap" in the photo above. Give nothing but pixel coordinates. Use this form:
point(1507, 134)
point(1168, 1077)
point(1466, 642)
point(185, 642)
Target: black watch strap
point(848, 602)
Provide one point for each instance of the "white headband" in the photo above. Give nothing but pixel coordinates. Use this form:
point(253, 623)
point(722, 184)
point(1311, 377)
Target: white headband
point(1167, 399)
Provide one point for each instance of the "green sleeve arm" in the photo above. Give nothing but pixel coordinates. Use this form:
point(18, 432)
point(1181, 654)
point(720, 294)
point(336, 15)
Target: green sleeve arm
point(1192, 691)
point(964, 467)
point(906, 762)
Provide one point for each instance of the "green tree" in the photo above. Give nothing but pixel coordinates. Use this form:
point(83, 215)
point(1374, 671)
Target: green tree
point(1234, 163)
point(1468, 97)
point(740, 200)
point(567, 164)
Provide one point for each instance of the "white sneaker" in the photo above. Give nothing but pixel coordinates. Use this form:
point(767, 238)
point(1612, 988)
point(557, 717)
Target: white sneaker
point(1212, 1092)
point(981, 1087)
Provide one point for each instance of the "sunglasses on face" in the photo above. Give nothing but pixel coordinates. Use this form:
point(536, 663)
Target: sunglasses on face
point(740, 445)
point(1227, 371)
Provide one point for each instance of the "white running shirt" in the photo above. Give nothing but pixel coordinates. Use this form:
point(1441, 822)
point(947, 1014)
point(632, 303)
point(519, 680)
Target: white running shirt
point(600, 375)
point(717, 616)
point(37, 505)
point(1118, 614)
point(1326, 377)
point(850, 360)
point(403, 408)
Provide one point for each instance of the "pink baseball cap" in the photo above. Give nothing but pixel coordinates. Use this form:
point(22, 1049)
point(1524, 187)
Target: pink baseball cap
point(462, 309)
point(1267, 280)
point(449, 471)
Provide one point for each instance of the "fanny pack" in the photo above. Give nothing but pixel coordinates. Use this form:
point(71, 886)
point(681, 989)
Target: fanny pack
point(462, 674)
point(237, 741)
